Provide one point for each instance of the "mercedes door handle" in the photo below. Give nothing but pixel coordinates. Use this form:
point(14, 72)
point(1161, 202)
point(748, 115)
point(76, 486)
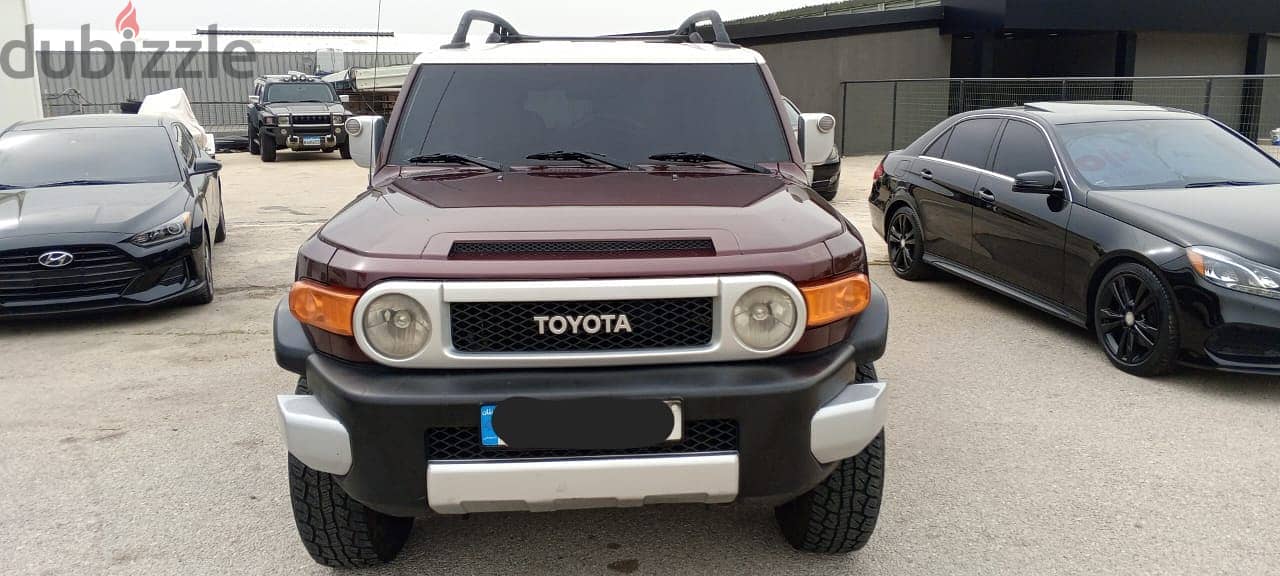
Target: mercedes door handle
point(927, 174)
point(986, 195)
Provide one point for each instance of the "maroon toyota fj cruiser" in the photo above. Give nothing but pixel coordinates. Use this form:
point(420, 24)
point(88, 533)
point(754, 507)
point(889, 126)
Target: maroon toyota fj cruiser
point(586, 273)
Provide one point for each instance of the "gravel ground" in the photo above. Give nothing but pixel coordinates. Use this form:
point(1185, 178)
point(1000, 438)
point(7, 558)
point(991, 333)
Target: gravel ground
point(147, 443)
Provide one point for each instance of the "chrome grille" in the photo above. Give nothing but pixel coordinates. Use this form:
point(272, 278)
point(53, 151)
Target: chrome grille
point(700, 436)
point(510, 327)
point(95, 271)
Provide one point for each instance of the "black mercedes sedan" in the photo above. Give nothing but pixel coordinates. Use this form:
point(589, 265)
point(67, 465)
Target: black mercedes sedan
point(1156, 228)
point(105, 211)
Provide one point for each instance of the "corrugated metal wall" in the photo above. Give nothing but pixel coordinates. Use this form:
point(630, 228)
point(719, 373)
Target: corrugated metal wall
point(217, 98)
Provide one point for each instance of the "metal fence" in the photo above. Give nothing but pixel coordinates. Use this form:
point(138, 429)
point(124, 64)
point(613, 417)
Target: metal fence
point(216, 117)
point(882, 115)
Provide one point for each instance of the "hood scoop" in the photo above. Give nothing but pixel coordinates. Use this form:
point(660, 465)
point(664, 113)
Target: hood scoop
point(582, 249)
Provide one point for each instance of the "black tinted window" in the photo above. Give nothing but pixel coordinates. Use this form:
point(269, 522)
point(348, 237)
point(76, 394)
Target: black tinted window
point(936, 149)
point(971, 141)
point(1162, 154)
point(30, 159)
point(300, 92)
point(1023, 149)
point(505, 112)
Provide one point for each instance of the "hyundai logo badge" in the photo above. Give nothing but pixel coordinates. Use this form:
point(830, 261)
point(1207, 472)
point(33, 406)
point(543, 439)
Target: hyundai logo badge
point(56, 259)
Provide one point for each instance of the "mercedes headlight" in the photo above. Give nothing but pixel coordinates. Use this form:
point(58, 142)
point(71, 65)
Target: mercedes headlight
point(176, 228)
point(1235, 272)
point(339, 119)
point(268, 120)
point(396, 326)
point(764, 318)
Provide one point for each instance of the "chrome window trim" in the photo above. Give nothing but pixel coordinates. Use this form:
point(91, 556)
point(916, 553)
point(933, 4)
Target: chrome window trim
point(435, 297)
point(1067, 180)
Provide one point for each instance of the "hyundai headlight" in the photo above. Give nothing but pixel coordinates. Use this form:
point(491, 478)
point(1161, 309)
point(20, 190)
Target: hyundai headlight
point(176, 228)
point(396, 326)
point(1235, 272)
point(764, 318)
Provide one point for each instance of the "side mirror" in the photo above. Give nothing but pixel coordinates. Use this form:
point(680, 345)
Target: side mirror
point(254, 99)
point(205, 166)
point(366, 137)
point(1038, 182)
point(344, 98)
point(817, 137)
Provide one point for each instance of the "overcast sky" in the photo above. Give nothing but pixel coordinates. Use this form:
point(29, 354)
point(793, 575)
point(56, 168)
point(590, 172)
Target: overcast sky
point(408, 16)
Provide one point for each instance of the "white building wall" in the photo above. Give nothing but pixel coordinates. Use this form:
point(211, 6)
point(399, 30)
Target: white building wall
point(19, 96)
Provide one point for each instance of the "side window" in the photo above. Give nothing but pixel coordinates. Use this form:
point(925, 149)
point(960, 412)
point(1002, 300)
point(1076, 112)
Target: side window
point(935, 149)
point(1023, 148)
point(793, 115)
point(186, 145)
point(971, 141)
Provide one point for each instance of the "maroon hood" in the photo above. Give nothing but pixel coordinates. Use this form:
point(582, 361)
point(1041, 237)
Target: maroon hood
point(757, 222)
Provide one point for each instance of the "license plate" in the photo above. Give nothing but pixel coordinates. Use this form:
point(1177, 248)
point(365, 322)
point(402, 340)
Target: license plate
point(586, 424)
point(310, 140)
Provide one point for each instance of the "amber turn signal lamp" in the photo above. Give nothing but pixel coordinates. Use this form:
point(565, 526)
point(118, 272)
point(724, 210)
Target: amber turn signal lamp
point(836, 299)
point(325, 307)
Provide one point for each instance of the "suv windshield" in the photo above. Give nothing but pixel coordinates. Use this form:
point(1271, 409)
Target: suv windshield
point(1146, 154)
point(37, 158)
point(300, 92)
point(626, 112)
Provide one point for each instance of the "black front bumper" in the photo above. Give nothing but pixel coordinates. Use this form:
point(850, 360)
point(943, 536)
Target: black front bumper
point(1224, 329)
point(331, 137)
point(389, 412)
point(161, 275)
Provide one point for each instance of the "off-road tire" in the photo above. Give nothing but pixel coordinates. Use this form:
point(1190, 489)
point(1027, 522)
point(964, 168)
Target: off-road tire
point(255, 147)
point(839, 515)
point(1155, 310)
point(268, 147)
point(345, 150)
point(906, 261)
point(336, 530)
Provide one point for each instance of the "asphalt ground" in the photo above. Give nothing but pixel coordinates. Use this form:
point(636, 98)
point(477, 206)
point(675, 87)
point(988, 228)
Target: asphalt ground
point(147, 443)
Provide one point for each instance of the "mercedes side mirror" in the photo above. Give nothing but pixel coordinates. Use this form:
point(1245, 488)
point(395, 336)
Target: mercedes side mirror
point(254, 99)
point(366, 136)
point(817, 137)
point(205, 166)
point(344, 98)
point(1038, 182)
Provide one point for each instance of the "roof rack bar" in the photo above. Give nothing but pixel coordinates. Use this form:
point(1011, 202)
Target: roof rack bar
point(690, 27)
point(501, 28)
point(505, 33)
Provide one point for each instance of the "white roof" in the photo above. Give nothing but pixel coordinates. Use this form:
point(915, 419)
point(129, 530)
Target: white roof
point(591, 52)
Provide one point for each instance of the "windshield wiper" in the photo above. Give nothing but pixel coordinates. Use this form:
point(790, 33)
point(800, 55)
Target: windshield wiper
point(701, 158)
point(450, 158)
point(10, 187)
point(79, 183)
point(578, 156)
point(1216, 183)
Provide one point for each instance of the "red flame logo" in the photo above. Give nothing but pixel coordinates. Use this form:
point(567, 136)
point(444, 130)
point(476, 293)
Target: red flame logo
point(127, 22)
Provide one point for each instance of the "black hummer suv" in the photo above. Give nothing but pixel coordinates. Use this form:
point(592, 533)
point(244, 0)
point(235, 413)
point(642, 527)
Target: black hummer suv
point(298, 112)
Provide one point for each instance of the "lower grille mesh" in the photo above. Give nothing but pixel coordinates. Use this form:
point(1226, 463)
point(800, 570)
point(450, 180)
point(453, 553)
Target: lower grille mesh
point(700, 436)
point(511, 327)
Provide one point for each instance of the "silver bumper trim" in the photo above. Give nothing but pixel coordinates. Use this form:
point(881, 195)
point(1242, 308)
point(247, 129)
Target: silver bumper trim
point(545, 485)
point(849, 422)
point(313, 435)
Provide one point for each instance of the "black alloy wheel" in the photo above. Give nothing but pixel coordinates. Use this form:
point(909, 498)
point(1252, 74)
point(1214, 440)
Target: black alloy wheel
point(906, 247)
point(1134, 320)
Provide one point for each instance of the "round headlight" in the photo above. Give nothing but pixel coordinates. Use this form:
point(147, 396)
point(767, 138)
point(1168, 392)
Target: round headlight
point(764, 318)
point(826, 124)
point(396, 326)
point(353, 127)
